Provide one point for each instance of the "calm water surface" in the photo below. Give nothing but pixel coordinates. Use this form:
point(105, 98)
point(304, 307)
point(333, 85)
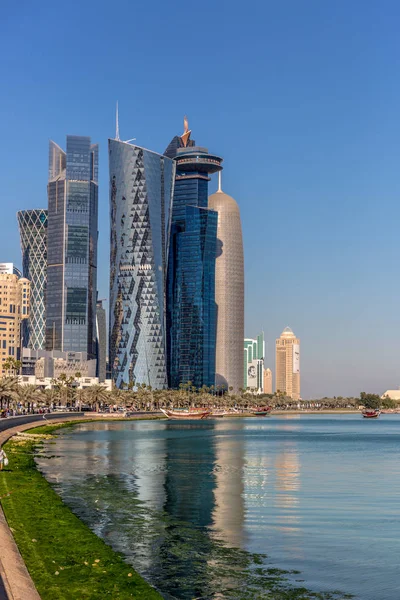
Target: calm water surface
point(189, 503)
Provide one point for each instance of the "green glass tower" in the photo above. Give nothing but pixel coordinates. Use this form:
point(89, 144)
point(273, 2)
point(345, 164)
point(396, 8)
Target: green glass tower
point(253, 365)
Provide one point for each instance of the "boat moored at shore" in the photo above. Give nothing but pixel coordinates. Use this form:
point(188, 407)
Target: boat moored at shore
point(261, 411)
point(186, 414)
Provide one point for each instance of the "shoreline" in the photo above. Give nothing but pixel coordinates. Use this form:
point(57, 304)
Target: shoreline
point(52, 584)
point(46, 549)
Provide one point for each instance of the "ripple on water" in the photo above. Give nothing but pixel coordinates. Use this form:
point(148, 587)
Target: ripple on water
point(197, 506)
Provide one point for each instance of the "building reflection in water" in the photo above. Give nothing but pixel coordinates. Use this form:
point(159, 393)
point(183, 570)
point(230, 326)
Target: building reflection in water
point(187, 490)
point(272, 485)
point(287, 502)
point(229, 509)
point(171, 496)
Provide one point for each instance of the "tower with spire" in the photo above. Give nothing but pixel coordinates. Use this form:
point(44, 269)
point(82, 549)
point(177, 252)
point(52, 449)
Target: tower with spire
point(229, 291)
point(191, 309)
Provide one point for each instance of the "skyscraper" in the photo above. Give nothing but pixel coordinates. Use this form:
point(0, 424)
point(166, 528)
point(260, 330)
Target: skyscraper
point(101, 341)
point(33, 233)
point(288, 364)
point(254, 354)
point(141, 192)
point(267, 381)
point(14, 308)
point(72, 246)
point(191, 310)
point(229, 292)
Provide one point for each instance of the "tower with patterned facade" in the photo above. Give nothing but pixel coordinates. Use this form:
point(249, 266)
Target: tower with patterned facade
point(141, 193)
point(33, 233)
point(287, 378)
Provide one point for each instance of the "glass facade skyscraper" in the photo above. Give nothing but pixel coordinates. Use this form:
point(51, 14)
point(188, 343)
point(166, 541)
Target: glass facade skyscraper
point(72, 246)
point(101, 341)
point(191, 308)
point(141, 191)
point(33, 233)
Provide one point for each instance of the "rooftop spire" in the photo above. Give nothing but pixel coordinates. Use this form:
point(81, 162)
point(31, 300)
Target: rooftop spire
point(185, 137)
point(220, 181)
point(117, 124)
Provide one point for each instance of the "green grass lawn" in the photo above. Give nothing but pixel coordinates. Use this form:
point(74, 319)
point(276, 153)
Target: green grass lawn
point(65, 559)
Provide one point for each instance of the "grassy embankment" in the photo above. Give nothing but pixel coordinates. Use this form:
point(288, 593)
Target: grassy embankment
point(65, 559)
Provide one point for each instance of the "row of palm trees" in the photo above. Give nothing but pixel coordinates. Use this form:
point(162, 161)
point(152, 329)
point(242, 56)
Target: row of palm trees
point(140, 396)
point(137, 396)
point(25, 398)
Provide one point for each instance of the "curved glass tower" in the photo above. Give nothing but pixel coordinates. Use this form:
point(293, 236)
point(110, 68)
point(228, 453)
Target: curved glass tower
point(191, 309)
point(141, 191)
point(33, 233)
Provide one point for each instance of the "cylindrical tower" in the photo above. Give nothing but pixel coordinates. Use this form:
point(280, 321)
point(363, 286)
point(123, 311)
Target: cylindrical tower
point(33, 231)
point(229, 292)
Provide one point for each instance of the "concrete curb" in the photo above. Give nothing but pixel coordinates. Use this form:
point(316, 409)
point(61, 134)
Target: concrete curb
point(14, 575)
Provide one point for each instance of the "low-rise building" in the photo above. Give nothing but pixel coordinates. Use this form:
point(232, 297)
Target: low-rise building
point(392, 394)
point(53, 363)
point(48, 383)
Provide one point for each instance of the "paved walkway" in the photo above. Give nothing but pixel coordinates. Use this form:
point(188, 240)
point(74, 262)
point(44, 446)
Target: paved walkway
point(15, 581)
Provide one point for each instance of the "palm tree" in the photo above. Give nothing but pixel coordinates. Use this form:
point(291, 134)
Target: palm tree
point(12, 365)
point(78, 376)
point(97, 394)
point(119, 397)
point(80, 396)
point(49, 396)
point(28, 395)
point(8, 390)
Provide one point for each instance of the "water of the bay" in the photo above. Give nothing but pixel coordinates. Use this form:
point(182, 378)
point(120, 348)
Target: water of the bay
point(189, 503)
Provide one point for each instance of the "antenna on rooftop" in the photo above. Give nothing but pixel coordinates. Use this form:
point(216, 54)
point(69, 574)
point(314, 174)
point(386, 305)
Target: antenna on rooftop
point(117, 125)
point(220, 181)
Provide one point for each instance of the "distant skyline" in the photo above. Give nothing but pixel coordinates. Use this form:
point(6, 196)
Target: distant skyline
point(301, 99)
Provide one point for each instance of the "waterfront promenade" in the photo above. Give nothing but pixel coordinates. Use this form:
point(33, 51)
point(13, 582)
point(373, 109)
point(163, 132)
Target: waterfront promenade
point(15, 581)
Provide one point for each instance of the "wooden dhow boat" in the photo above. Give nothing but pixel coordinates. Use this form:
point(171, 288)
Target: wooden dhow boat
point(222, 412)
point(177, 413)
point(261, 411)
point(371, 413)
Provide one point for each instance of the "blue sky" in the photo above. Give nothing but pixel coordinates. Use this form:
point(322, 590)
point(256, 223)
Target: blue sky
point(300, 97)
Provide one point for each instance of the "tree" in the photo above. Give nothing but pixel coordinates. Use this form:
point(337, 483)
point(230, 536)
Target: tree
point(64, 387)
point(8, 390)
point(80, 395)
point(28, 395)
point(49, 396)
point(97, 394)
point(372, 401)
point(388, 403)
point(11, 365)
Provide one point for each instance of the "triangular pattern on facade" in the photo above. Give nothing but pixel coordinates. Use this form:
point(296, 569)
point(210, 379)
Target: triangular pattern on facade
point(141, 357)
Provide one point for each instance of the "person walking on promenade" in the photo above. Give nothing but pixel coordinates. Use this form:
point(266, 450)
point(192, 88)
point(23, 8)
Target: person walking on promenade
point(3, 459)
